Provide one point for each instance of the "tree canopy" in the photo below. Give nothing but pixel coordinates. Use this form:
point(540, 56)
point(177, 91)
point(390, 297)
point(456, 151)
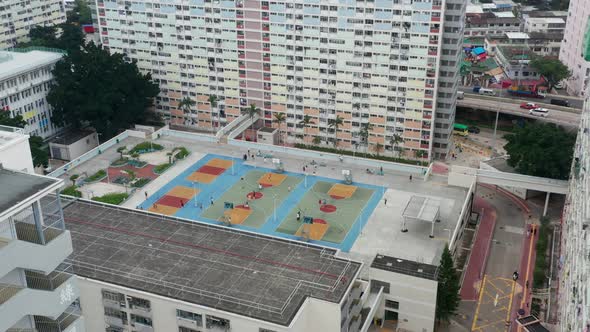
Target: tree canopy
point(6, 120)
point(70, 38)
point(541, 149)
point(552, 70)
point(93, 87)
point(80, 14)
point(447, 298)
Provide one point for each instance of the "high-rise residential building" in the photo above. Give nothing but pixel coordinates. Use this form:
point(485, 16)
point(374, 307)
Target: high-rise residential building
point(25, 78)
point(574, 295)
point(575, 48)
point(368, 61)
point(18, 16)
point(38, 292)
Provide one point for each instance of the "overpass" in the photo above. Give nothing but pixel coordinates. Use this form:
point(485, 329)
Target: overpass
point(465, 176)
point(564, 116)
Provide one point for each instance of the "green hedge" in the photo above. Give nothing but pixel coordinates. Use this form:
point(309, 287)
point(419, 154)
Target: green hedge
point(161, 168)
point(145, 147)
point(113, 198)
point(97, 176)
point(182, 152)
point(360, 154)
point(120, 162)
point(71, 191)
point(541, 264)
point(140, 182)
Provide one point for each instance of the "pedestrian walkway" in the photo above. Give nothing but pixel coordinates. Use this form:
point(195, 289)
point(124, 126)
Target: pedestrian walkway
point(523, 297)
point(479, 250)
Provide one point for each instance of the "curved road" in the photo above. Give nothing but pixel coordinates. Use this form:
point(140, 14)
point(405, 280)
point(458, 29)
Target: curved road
point(575, 102)
point(510, 107)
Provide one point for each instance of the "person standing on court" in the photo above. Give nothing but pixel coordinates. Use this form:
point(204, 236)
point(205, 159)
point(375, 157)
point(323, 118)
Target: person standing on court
point(298, 215)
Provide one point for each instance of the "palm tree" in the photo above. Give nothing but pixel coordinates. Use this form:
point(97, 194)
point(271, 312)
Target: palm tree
point(378, 148)
point(317, 140)
point(364, 133)
point(213, 102)
point(305, 123)
point(251, 112)
point(186, 104)
point(280, 118)
point(394, 141)
point(335, 124)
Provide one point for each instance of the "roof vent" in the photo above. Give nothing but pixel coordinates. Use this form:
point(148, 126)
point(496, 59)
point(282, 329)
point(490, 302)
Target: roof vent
point(389, 264)
point(399, 260)
point(420, 270)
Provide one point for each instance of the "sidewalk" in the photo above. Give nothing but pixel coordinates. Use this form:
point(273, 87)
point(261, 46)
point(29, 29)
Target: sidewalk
point(527, 267)
point(479, 250)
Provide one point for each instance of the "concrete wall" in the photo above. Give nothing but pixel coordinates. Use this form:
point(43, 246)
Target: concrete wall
point(416, 297)
point(461, 176)
point(519, 192)
point(17, 156)
point(314, 315)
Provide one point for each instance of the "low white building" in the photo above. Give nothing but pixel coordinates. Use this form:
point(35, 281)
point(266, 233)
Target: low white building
point(15, 152)
point(544, 24)
point(25, 79)
point(71, 145)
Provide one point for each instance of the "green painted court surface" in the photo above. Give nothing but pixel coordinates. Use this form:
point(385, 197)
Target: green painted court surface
point(340, 221)
point(262, 208)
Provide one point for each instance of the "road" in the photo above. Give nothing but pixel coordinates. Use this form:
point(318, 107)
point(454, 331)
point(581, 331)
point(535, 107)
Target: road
point(575, 102)
point(509, 107)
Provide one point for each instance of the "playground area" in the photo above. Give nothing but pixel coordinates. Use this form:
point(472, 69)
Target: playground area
point(232, 192)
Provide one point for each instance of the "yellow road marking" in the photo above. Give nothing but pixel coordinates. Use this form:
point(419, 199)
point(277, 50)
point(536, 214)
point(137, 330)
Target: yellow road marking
point(481, 288)
point(510, 303)
point(528, 268)
point(497, 289)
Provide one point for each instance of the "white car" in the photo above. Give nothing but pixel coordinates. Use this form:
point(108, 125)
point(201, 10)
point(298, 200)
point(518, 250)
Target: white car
point(542, 112)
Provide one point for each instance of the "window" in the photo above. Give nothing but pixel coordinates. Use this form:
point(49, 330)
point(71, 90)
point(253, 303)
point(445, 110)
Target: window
point(265, 330)
point(187, 315)
point(392, 304)
point(138, 303)
point(186, 329)
point(213, 322)
point(141, 320)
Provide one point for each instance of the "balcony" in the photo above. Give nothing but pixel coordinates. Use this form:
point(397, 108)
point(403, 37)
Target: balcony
point(46, 295)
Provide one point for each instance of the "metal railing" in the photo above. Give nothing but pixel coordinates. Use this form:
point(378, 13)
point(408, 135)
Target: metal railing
point(50, 282)
point(36, 48)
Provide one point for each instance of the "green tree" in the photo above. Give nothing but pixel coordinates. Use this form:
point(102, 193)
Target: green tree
point(551, 69)
point(541, 149)
point(38, 151)
point(280, 118)
point(213, 102)
point(447, 298)
point(6, 120)
point(378, 148)
point(305, 123)
point(93, 87)
point(42, 36)
point(71, 38)
point(251, 112)
point(186, 105)
point(394, 141)
point(73, 178)
point(364, 133)
point(80, 14)
point(121, 149)
point(317, 140)
point(334, 124)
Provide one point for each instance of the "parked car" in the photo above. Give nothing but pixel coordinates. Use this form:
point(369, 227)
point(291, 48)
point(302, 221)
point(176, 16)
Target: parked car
point(529, 106)
point(560, 102)
point(473, 129)
point(487, 92)
point(460, 94)
point(542, 112)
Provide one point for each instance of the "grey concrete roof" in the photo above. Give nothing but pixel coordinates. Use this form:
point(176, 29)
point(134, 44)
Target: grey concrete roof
point(252, 275)
point(72, 136)
point(407, 267)
point(16, 187)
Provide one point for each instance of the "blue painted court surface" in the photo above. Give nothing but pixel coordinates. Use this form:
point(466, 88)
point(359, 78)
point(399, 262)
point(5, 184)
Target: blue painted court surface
point(275, 213)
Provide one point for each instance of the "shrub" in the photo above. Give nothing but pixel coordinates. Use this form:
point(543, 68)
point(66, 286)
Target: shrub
point(360, 154)
point(145, 147)
point(71, 191)
point(101, 174)
point(112, 198)
point(140, 182)
point(182, 152)
point(541, 268)
point(161, 168)
point(120, 162)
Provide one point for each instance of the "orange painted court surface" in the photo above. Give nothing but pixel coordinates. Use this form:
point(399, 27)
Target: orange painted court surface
point(210, 171)
point(173, 200)
point(271, 179)
point(341, 191)
point(315, 231)
point(237, 215)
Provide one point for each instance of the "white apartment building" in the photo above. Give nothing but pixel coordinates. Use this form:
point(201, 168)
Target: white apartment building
point(574, 295)
point(544, 24)
point(371, 61)
point(575, 48)
point(37, 290)
point(25, 78)
point(18, 16)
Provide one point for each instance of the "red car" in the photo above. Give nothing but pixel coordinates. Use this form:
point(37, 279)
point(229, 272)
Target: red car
point(529, 106)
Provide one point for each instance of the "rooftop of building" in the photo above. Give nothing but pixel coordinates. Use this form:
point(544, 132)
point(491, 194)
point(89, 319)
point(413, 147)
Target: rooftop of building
point(10, 135)
point(547, 13)
point(516, 52)
point(517, 35)
point(267, 130)
point(398, 265)
point(556, 36)
point(380, 234)
point(231, 270)
point(71, 136)
point(504, 14)
point(17, 187)
point(546, 20)
point(17, 61)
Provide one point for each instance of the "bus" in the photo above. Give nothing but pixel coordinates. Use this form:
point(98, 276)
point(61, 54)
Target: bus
point(460, 129)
